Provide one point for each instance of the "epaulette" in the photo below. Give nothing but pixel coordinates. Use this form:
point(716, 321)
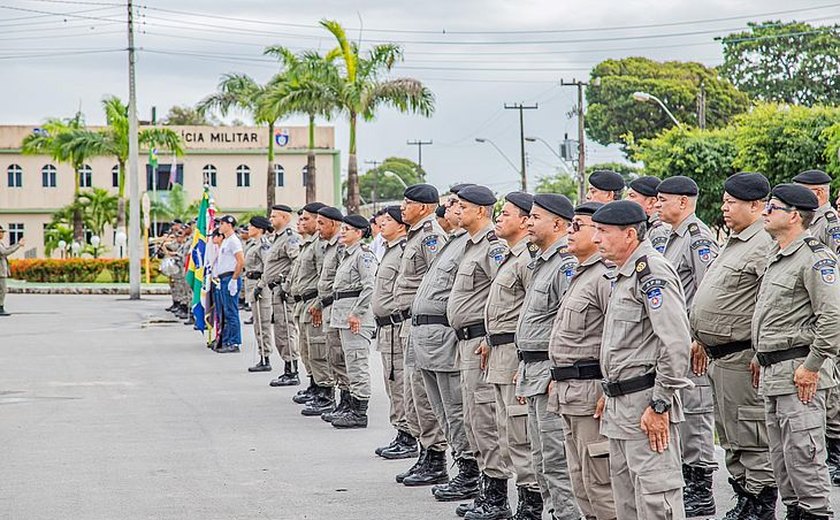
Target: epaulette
point(815, 245)
point(491, 236)
point(427, 226)
point(830, 216)
point(402, 244)
point(642, 267)
point(365, 247)
point(289, 231)
point(533, 249)
point(694, 229)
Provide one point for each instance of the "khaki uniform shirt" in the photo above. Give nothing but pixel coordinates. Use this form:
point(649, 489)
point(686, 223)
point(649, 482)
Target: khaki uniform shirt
point(826, 227)
point(422, 243)
point(356, 272)
point(484, 252)
point(645, 330)
point(504, 301)
point(577, 333)
point(255, 252)
point(551, 273)
point(5, 253)
point(691, 248)
point(285, 247)
point(798, 305)
point(384, 302)
point(305, 274)
point(332, 256)
point(658, 232)
point(725, 301)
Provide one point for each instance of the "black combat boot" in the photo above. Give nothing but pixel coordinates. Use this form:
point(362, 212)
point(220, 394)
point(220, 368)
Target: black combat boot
point(418, 465)
point(180, 312)
point(832, 446)
point(305, 395)
point(356, 417)
point(476, 504)
point(405, 448)
point(530, 505)
point(434, 471)
point(190, 319)
point(495, 505)
point(284, 378)
point(807, 515)
point(3, 311)
point(322, 402)
point(743, 502)
point(294, 378)
point(763, 505)
point(171, 307)
point(342, 408)
point(263, 366)
point(380, 449)
point(463, 486)
point(699, 499)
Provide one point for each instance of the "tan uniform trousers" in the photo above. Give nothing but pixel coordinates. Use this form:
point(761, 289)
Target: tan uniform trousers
point(335, 358)
point(796, 432)
point(261, 309)
point(515, 448)
point(3, 291)
point(445, 400)
point(740, 424)
point(390, 346)
point(285, 329)
point(697, 433)
point(832, 407)
point(314, 351)
point(647, 484)
point(588, 455)
point(356, 349)
point(480, 412)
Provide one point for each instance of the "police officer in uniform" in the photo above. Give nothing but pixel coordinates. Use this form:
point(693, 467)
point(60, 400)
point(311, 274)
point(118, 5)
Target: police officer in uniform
point(691, 248)
point(605, 186)
point(351, 315)
point(575, 348)
point(796, 337)
point(552, 268)
point(285, 247)
point(389, 320)
point(643, 191)
point(720, 323)
point(5, 253)
point(256, 248)
point(644, 359)
point(500, 360)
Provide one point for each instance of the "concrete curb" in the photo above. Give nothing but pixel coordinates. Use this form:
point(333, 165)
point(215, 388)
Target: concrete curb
point(58, 289)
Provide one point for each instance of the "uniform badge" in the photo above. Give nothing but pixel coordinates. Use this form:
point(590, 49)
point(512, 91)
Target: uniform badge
point(498, 254)
point(431, 243)
point(705, 254)
point(828, 275)
point(640, 266)
point(659, 244)
point(654, 297)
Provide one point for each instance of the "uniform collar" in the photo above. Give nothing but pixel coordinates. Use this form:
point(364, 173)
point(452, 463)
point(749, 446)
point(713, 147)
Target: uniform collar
point(352, 249)
point(395, 242)
point(592, 260)
point(683, 227)
point(425, 219)
point(458, 232)
point(553, 248)
point(629, 267)
point(822, 210)
point(478, 237)
point(519, 247)
point(750, 231)
point(794, 246)
point(334, 240)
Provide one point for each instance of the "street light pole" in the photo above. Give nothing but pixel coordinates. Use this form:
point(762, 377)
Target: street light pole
point(483, 140)
point(389, 173)
point(551, 149)
point(133, 175)
point(522, 108)
point(644, 97)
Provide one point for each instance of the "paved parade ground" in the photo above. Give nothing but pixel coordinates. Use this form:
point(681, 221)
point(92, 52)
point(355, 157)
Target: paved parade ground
point(108, 414)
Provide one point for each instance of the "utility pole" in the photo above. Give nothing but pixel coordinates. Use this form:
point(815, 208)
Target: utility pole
point(522, 108)
point(581, 137)
point(419, 144)
point(701, 107)
point(134, 252)
point(375, 181)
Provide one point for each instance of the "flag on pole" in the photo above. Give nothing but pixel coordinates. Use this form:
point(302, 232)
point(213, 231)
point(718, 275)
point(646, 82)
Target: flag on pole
point(173, 172)
point(153, 158)
point(195, 263)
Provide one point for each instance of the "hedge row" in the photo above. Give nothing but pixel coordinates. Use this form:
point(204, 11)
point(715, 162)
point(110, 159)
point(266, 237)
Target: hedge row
point(74, 270)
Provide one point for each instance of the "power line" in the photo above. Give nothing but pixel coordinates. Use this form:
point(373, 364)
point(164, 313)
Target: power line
point(54, 37)
point(57, 54)
point(50, 15)
point(79, 16)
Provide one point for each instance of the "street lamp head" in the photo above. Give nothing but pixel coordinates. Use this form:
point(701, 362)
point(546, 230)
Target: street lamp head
point(642, 96)
point(531, 139)
point(62, 244)
point(95, 240)
point(480, 140)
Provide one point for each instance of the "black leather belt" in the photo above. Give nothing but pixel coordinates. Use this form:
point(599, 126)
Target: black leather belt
point(326, 301)
point(581, 369)
point(392, 319)
point(766, 359)
point(496, 340)
point(532, 357)
point(628, 386)
point(341, 295)
point(253, 275)
point(429, 319)
point(719, 351)
point(473, 330)
point(305, 297)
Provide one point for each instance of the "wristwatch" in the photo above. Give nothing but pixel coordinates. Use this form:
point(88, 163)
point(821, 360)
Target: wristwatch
point(660, 406)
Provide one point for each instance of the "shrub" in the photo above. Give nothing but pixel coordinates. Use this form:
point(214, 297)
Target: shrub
point(73, 270)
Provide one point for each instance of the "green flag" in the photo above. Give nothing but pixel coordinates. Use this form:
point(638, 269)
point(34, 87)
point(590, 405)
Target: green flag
point(153, 158)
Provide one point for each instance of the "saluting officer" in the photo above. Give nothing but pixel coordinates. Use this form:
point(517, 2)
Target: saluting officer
point(575, 350)
point(605, 186)
point(721, 323)
point(643, 191)
point(504, 302)
point(256, 249)
point(552, 268)
point(691, 248)
point(644, 358)
point(352, 316)
point(796, 337)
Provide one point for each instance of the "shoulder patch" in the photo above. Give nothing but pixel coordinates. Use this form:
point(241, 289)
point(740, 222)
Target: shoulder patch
point(825, 262)
point(491, 236)
point(701, 242)
point(368, 258)
point(659, 243)
point(498, 253)
point(654, 297)
point(694, 229)
point(642, 267)
point(652, 284)
point(815, 245)
point(431, 243)
point(568, 269)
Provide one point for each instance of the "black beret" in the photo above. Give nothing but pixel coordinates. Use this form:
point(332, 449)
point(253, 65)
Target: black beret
point(440, 212)
point(747, 186)
point(646, 185)
point(607, 180)
point(679, 185)
point(312, 207)
point(423, 193)
point(796, 196)
point(332, 213)
point(357, 221)
point(620, 213)
point(813, 177)
point(521, 200)
point(559, 205)
point(243, 229)
point(261, 223)
point(588, 208)
point(229, 219)
point(282, 207)
point(480, 195)
point(177, 221)
point(395, 213)
point(460, 186)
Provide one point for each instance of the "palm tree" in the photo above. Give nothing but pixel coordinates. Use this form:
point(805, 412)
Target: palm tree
point(99, 208)
point(240, 91)
point(362, 90)
point(307, 86)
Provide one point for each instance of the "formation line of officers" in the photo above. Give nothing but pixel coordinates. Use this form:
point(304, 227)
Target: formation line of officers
point(588, 353)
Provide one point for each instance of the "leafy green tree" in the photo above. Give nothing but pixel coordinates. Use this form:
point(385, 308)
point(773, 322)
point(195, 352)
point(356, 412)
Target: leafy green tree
point(386, 186)
point(99, 208)
point(174, 205)
point(188, 116)
point(561, 183)
point(54, 233)
point(788, 62)
point(362, 89)
point(613, 116)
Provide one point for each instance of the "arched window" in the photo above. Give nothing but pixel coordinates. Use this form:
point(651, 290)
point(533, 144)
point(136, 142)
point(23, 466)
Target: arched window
point(243, 176)
point(48, 173)
point(85, 176)
point(279, 175)
point(208, 173)
point(15, 176)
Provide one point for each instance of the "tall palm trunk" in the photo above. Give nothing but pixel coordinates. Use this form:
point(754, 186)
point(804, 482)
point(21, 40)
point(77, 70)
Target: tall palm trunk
point(270, 183)
point(311, 190)
point(353, 197)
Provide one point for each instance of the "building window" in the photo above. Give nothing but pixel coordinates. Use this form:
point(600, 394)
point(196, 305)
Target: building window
point(209, 174)
point(279, 175)
point(48, 176)
point(15, 174)
point(15, 233)
point(115, 176)
point(243, 176)
point(85, 176)
point(305, 175)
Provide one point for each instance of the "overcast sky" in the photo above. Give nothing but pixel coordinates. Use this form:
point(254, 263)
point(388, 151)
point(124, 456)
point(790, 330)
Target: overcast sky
point(475, 55)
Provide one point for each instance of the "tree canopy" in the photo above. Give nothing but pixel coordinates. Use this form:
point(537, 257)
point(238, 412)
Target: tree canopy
point(387, 187)
point(189, 116)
